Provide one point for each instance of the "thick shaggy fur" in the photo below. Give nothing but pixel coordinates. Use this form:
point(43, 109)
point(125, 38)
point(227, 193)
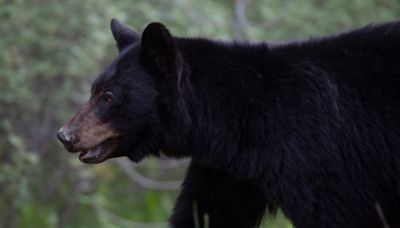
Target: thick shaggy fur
point(312, 127)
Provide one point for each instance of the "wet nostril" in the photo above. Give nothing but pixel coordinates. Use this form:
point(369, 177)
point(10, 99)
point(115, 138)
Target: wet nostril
point(64, 138)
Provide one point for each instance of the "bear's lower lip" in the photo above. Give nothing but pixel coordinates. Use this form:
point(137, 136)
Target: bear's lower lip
point(97, 154)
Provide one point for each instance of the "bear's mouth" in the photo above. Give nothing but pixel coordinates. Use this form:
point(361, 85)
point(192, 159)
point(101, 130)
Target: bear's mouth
point(99, 153)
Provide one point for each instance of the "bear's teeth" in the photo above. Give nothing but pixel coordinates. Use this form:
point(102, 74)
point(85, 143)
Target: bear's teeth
point(83, 153)
point(91, 155)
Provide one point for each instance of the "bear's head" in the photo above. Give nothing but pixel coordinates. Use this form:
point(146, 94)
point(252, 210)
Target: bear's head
point(122, 116)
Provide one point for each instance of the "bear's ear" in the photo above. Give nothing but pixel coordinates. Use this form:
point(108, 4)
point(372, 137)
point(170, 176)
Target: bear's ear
point(123, 35)
point(159, 48)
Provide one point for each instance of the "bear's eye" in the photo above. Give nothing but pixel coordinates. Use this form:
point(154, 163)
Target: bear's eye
point(108, 97)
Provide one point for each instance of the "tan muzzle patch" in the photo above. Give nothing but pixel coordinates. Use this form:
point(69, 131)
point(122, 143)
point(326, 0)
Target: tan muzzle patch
point(86, 131)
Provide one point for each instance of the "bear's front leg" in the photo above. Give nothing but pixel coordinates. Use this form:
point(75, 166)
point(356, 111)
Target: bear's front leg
point(223, 199)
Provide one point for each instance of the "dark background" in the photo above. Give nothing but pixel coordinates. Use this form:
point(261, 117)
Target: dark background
point(50, 51)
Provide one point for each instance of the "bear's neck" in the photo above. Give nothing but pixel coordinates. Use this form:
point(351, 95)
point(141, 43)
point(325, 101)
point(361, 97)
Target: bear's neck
point(219, 108)
point(241, 106)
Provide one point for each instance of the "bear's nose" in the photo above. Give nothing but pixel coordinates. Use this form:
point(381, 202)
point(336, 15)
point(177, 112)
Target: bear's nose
point(64, 137)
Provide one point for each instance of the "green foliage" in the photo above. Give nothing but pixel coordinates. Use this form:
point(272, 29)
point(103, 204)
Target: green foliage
point(286, 19)
point(50, 52)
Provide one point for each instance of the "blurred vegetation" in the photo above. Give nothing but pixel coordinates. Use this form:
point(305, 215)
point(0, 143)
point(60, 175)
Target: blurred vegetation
point(51, 50)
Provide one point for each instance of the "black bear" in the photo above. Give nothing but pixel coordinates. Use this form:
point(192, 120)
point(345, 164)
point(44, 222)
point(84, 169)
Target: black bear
point(311, 127)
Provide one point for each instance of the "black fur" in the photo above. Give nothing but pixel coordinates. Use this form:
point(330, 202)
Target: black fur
point(310, 126)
